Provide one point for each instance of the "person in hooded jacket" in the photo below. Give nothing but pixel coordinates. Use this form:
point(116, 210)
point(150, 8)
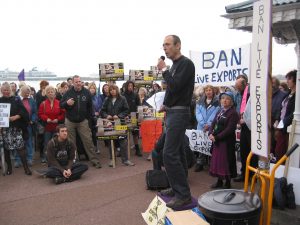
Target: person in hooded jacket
point(206, 109)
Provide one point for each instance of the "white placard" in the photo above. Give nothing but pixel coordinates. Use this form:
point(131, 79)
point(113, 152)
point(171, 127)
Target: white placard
point(156, 100)
point(199, 141)
point(156, 212)
point(4, 114)
point(220, 68)
point(260, 52)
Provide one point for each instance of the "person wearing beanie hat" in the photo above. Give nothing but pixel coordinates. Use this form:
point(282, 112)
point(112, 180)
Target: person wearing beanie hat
point(222, 134)
point(227, 93)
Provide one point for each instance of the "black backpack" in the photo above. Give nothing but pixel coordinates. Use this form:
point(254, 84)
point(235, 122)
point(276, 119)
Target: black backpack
point(156, 180)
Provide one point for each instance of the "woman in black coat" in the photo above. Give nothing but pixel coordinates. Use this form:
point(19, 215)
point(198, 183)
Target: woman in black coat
point(115, 107)
point(286, 116)
point(14, 135)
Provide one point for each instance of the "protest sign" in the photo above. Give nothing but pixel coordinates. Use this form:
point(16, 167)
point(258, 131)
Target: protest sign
point(199, 141)
point(260, 74)
point(111, 71)
point(141, 77)
point(157, 75)
point(220, 68)
point(156, 212)
point(4, 114)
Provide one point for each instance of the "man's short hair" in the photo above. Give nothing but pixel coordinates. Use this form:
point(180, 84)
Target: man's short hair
point(244, 80)
point(243, 77)
point(75, 76)
point(59, 127)
point(176, 39)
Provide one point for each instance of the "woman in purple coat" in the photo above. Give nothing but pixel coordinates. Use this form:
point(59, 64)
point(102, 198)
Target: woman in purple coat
point(222, 134)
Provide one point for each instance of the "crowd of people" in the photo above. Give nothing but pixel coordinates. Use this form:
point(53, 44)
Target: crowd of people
point(36, 116)
point(52, 120)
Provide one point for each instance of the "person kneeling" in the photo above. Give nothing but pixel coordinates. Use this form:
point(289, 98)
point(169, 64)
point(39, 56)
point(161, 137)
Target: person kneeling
point(61, 154)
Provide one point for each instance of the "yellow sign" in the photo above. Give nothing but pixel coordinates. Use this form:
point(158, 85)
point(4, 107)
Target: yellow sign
point(121, 127)
point(159, 115)
point(133, 121)
point(119, 71)
point(148, 78)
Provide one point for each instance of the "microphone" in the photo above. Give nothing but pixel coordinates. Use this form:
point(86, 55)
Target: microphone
point(163, 58)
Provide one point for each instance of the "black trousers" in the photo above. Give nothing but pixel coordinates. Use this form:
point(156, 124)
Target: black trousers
point(157, 159)
point(245, 148)
point(174, 157)
point(77, 170)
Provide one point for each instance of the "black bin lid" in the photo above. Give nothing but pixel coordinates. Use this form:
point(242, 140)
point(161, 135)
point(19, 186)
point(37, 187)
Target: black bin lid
point(230, 202)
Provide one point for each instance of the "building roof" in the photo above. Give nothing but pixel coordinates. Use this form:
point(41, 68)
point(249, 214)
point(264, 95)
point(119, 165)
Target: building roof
point(248, 5)
point(285, 19)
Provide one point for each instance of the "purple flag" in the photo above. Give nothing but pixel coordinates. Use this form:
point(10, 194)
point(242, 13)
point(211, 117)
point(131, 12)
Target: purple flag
point(21, 76)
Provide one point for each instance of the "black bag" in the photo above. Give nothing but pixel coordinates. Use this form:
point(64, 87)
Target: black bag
point(156, 180)
point(279, 196)
point(290, 197)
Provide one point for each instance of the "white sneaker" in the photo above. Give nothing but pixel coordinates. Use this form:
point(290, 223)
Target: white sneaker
point(111, 164)
point(128, 163)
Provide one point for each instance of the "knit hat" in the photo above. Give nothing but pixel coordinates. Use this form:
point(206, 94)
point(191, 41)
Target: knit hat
point(228, 93)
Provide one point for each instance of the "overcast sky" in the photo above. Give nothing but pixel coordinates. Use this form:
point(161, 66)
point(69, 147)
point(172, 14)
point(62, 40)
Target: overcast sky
point(71, 37)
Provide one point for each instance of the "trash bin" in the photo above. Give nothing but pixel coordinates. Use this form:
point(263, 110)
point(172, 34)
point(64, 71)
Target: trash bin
point(150, 132)
point(230, 206)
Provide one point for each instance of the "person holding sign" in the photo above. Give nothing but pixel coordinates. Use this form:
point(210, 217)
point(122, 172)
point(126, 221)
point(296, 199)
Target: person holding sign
point(115, 107)
point(180, 81)
point(222, 134)
point(206, 109)
point(133, 101)
point(15, 135)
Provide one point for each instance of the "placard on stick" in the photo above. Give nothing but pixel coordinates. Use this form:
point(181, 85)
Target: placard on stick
point(141, 77)
point(111, 71)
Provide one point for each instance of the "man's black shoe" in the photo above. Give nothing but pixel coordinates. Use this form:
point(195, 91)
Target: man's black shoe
point(177, 203)
point(239, 178)
point(167, 192)
point(59, 180)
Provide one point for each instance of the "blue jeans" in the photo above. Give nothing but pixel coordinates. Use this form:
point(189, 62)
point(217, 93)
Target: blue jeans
point(174, 156)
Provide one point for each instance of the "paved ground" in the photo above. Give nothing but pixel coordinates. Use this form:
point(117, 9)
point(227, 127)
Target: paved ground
point(105, 196)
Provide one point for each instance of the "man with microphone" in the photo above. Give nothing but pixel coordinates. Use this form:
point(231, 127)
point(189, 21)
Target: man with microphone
point(180, 81)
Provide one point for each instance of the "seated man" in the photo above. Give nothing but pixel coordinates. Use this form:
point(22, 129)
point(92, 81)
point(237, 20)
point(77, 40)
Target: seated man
point(61, 154)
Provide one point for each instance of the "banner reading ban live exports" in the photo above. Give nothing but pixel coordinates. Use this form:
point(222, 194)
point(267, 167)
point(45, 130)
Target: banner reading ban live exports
point(261, 58)
point(220, 68)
